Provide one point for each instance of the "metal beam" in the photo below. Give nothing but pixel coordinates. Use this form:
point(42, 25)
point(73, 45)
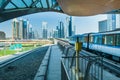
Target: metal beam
point(14, 4)
point(41, 4)
point(24, 3)
point(10, 14)
point(34, 3)
point(4, 5)
point(48, 3)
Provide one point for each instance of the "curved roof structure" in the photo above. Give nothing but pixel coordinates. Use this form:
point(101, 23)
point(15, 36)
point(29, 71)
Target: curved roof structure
point(14, 8)
point(89, 7)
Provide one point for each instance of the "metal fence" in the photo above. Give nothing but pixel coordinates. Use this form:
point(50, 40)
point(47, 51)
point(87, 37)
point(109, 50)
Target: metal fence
point(90, 67)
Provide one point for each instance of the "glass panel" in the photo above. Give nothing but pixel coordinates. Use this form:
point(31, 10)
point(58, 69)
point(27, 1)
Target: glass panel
point(118, 40)
point(28, 2)
point(53, 2)
point(1, 2)
point(38, 5)
point(9, 6)
point(50, 2)
point(91, 39)
point(18, 3)
point(109, 40)
point(44, 3)
point(85, 39)
point(58, 8)
point(95, 39)
point(100, 39)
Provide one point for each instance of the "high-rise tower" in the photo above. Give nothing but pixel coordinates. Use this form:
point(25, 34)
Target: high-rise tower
point(44, 30)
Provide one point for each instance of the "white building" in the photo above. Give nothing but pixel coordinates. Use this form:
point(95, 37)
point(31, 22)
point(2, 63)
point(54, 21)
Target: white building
point(113, 21)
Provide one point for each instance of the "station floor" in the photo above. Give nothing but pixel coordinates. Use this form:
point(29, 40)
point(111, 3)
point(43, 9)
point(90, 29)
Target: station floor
point(54, 68)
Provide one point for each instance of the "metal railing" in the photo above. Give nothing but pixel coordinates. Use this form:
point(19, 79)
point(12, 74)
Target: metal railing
point(90, 67)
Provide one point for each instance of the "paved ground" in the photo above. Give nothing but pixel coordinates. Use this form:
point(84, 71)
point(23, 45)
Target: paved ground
point(54, 69)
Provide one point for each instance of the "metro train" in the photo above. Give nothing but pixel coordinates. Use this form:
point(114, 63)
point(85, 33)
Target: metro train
point(107, 44)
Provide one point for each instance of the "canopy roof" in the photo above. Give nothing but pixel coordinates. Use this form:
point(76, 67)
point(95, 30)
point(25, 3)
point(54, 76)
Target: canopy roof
point(14, 8)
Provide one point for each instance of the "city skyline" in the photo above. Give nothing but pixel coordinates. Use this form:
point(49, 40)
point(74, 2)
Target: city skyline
point(83, 24)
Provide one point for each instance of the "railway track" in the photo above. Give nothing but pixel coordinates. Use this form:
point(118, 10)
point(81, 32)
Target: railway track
point(108, 65)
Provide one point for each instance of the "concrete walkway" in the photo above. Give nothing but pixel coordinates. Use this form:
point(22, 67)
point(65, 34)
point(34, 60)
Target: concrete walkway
point(54, 68)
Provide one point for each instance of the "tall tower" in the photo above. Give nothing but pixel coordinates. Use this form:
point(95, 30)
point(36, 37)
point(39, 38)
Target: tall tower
point(102, 25)
point(111, 22)
point(61, 30)
point(70, 27)
point(15, 29)
point(24, 29)
point(21, 28)
point(74, 30)
point(44, 30)
point(30, 33)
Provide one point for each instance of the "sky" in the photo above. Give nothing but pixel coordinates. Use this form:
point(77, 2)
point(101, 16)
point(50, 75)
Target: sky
point(83, 24)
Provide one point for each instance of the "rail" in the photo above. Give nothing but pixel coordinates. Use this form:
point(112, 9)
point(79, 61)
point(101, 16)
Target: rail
point(89, 68)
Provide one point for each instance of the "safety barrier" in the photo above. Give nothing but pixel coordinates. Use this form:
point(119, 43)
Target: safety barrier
point(90, 67)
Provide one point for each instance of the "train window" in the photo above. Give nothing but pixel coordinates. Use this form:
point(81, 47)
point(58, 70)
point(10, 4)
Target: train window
point(103, 39)
point(82, 39)
point(91, 39)
point(97, 39)
point(118, 40)
point(85, 39)
point(109, 39)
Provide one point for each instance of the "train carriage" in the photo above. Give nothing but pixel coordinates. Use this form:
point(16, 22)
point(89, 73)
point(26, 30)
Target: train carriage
point(107, 43)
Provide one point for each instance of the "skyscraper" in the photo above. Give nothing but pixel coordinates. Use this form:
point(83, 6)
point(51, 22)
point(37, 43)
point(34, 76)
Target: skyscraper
point(55, 33)
point(70, 27)
point(74, 30)
point(2, 35)
point(44, 30)
point(24, 29)
point(30, 32)
point(103, 26)
point(113, 21)
point(19, 29)
point(15, 29)
point(60, 29)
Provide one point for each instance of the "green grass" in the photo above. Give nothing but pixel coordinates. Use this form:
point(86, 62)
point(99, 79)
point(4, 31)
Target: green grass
point(8, 52)
point(26, 48)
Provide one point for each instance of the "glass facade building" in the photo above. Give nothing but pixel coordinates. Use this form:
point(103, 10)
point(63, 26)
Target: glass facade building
point(103, 26)
point(19, 29)
point(44, 30)
point(113, 21)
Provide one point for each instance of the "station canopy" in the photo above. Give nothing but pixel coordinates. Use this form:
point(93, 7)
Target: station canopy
point(14, 8)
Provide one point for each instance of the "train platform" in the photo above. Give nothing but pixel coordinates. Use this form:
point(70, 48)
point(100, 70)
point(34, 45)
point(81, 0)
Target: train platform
point(54, 68)
point(50, 69)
